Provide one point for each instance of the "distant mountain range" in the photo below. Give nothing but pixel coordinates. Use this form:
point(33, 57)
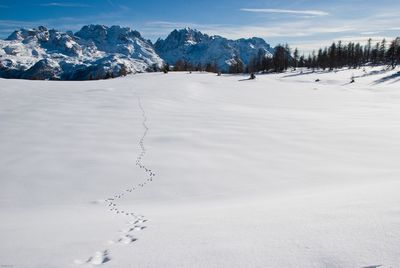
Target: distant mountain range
point(99, 52)
point(95, 52)
point(197, 48)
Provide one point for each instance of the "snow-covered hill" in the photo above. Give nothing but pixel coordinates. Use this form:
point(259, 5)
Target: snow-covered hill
point(198, 48)
point(94, 52)
point(280, 171)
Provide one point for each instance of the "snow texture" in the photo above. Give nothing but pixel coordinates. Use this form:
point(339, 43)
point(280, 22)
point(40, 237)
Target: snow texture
point(280, 171)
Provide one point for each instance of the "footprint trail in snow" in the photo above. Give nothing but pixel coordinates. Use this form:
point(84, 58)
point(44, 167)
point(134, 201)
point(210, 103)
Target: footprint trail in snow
point(134, 221)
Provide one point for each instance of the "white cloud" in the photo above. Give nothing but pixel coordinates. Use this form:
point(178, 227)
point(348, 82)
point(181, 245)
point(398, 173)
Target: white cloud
point(288, 29)
point(305, 34)
point(369, 33)
point(286, 11)
point(57, 4)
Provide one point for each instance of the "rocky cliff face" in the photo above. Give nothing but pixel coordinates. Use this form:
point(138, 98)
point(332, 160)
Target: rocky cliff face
point(197, 48)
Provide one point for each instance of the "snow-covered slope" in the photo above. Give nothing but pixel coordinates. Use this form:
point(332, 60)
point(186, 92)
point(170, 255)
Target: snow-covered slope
point(198, 48)
point(95, 52)
point(281, 171)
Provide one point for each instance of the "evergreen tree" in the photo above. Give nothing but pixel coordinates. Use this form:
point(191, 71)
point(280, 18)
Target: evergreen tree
point(339, 55)
point(313, 61)
point(392, 54)
point(358, 55)
point(332, 57)
point(288, 57)
point(375, 54)
point(165, 68)
point(382, 51)
point(367, 51)
point(211, 68)
point(295, 58)
point(280, 59)
point(302, 61)
point(252, 65)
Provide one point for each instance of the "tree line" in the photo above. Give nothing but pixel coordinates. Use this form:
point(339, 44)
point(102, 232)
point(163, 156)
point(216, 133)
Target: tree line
point(337, 55)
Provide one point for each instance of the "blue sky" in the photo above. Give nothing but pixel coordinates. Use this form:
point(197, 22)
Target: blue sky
point(305, 24)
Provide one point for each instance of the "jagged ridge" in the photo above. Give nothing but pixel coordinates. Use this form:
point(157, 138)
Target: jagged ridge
point(94, 52)
point(197, 48)
point(98, 52)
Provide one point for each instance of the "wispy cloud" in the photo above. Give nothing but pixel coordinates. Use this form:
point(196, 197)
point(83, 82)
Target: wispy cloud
point(369, 33)
point(302, 33)
point(4, 6)
point(57, 4)
point(287, 29)
point(111, 3)
point(286, 11)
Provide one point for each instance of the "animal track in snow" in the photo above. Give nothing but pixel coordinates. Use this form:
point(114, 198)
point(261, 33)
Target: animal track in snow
point(133, 219)
point(98, 258)
point(134, 228)
point(125, 239)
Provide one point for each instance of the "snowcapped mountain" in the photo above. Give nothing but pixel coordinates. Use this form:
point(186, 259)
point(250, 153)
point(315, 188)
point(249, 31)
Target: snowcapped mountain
point(98, 52)
point(94, 52)
point(196, 48)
